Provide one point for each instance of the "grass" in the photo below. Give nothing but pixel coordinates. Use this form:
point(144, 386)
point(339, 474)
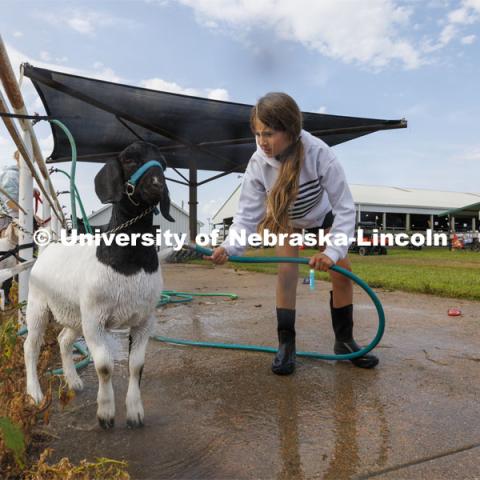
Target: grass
point(435, 271)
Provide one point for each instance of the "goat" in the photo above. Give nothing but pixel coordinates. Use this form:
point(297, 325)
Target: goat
point(91, 289)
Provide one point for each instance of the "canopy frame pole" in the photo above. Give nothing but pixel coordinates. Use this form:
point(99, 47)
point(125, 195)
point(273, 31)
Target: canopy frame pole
point(25, 217)
point(180, 174)
point(121, 120)
point(177, 181)
point(233, 170)
point(387, 125)
point(192, 202)
point(46, 214)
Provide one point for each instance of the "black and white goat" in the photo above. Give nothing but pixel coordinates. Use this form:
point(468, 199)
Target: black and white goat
point(90, 289)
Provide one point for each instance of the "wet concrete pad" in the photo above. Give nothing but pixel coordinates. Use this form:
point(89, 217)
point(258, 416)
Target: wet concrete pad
point(222, 414)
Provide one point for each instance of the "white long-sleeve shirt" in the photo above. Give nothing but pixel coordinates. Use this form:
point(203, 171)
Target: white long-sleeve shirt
point(322, 187)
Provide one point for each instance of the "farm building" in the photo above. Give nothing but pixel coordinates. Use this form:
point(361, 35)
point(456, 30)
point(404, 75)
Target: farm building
point(394, 209)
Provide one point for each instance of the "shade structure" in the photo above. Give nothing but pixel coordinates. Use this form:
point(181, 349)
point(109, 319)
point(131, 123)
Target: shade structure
point(193, 133)
point(472, 210)
point(105, 117)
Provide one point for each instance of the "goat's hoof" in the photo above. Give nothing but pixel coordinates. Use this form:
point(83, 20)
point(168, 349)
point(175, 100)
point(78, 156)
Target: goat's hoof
point(106, 423)
point(36, 397)
point(135, 422)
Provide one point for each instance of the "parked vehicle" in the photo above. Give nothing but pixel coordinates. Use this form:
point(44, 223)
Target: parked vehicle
point(359, 245)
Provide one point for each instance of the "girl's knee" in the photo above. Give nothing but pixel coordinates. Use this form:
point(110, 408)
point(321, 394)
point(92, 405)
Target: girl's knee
point(345, 263)
point(287, 271)
point(340, 281)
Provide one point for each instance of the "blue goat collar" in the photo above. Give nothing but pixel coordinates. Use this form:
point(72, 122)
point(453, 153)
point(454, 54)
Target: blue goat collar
point(139, 173)
point(132, 182)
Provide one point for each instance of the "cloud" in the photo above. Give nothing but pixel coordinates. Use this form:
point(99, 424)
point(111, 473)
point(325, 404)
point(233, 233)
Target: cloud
point(166, 86)
point(18, 34)
point(47, 57)
point(218, 94)
point(322, 109)
point(468, 40)
point(162, 3)
point(84, 21)
point(366, 33)
point(456, 21)
point(99, 71)
point(103, 72)
point(471, 155)
point(464, 15)
point(447, 35)
point(374, 33)
point(81, 25)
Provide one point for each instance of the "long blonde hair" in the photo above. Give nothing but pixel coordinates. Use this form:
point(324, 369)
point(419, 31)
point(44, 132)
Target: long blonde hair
point(280, 112)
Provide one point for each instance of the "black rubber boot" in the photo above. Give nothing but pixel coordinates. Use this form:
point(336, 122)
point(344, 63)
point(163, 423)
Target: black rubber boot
point(342, 322)
point(284, 361)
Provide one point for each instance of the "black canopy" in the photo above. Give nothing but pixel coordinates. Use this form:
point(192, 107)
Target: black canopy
point(105, 117)
point(194, 133)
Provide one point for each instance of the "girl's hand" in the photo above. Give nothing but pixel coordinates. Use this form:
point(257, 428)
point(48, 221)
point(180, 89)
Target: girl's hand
point(321, 262)
point(219, 256)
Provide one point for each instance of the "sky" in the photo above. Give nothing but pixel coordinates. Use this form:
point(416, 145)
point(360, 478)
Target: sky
point(389, 59)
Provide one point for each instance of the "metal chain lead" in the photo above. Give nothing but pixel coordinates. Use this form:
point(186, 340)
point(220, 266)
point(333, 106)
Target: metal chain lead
point(131, 221)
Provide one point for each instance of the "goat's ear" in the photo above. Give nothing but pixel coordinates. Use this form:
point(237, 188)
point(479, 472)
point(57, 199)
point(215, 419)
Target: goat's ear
point(165, 205)
point(109, 182)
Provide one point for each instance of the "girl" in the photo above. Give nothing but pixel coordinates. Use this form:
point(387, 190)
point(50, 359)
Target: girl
point(293, 182)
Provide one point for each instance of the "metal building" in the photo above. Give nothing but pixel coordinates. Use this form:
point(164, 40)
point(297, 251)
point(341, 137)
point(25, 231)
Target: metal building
point(392, 209)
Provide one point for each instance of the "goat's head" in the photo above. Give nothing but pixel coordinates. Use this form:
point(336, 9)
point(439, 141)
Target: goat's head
point(114, 180)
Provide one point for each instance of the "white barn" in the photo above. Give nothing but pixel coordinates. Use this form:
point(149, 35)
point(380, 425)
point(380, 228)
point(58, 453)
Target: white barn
point(392, 208)
point(181, 224)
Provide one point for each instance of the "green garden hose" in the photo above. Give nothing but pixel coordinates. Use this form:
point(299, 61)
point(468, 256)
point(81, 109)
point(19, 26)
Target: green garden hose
point(256, 348)
point(168, 295)
point(88, 227)
point(73, 188)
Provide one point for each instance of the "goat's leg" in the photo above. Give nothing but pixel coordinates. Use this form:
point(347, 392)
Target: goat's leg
point(138, 343)
point(96, 339)
point(66, 339)
point(38, 315)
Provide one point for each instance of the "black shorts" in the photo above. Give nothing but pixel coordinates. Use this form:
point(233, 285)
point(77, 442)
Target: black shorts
point(327, 223)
